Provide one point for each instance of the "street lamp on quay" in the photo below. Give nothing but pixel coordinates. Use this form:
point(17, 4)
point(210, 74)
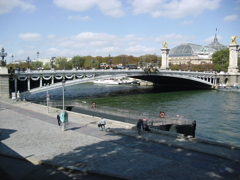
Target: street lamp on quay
point(3, 55)
point(28, 61)
point(64, 114)
point(63, 86)
point(12, 58)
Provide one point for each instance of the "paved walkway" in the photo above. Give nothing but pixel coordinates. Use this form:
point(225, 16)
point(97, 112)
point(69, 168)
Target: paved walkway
point(32, 133)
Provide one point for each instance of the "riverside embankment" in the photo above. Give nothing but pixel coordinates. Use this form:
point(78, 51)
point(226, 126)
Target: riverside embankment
point(32, 133)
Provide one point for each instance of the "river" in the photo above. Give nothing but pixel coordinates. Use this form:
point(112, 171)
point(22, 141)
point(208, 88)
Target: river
point(216, 112)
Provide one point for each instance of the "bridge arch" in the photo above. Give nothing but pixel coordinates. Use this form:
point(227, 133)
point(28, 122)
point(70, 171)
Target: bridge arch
point(197, 80)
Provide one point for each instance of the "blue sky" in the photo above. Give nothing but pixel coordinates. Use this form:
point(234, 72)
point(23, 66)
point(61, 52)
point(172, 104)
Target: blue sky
point(102, 27)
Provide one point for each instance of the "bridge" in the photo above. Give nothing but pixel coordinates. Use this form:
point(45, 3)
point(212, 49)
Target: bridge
point(34, 80)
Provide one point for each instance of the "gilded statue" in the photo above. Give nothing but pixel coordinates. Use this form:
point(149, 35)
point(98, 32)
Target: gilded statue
point(165, 44)
point(234, 39)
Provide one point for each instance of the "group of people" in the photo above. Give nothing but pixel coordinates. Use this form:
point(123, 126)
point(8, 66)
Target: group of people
point(142, 126)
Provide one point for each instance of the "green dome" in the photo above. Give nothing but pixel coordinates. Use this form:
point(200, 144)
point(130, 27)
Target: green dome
point(189, 49)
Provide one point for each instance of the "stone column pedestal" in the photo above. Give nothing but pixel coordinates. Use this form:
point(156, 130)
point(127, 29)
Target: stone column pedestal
point(4, 83)
point(165, 55)
point(233, 58)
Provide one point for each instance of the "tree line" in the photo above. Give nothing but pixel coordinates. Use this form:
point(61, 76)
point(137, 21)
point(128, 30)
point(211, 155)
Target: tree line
point(220, 62)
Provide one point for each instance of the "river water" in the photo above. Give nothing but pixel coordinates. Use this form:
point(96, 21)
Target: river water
point(216, 112)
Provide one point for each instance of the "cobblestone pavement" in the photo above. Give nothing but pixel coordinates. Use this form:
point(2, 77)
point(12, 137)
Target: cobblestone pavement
point(30, 132)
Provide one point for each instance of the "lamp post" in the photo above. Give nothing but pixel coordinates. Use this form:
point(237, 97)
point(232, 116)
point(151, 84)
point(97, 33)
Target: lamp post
point(12, 58)
point(38, 55)
point(63, 112)
point(28, 61)
point(3, 55)
point(47, 97)
point(63, 85)
point(93, 62)
point(52, 60)
point(110, 60)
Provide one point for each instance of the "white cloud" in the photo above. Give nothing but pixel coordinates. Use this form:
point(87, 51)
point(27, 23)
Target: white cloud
point(82, 18)
point(7, 6)
point(210, 39)
point(173, 9)
point(30, 37)
point(111, 8)
point(230, 18)
point(174, 37)
point(51, 36)
point(139, 49)
point(90, 36)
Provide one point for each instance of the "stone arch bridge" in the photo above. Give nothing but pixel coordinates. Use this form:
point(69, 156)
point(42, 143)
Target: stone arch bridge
point(35, 81)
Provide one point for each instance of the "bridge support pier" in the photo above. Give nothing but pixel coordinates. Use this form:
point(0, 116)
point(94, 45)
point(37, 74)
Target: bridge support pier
point(4, 83)
point(233, 58)
point(165, 55)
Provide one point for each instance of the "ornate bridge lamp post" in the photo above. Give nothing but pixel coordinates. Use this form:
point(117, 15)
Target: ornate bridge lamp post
point(93, 63)
point(38, 55)
point(110, 60)
point(12, 58)
point(28, 61)
point(141, 63)
point(52, 60)
point(3, 55)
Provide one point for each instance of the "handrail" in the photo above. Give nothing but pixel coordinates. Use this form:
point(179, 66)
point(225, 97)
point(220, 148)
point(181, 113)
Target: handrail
point(130, 116)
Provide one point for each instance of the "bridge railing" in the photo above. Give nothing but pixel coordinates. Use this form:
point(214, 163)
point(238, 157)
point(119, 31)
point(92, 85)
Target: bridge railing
point(129, 116)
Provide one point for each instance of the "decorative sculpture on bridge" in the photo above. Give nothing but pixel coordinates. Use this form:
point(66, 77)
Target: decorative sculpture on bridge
point(165, 44)
point(234, 39)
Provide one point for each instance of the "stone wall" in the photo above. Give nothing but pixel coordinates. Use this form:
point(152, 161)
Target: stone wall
point(4, 83)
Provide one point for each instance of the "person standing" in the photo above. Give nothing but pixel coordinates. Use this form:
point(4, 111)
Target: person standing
point(140, 126)
point(58, 119)
point(194, 124)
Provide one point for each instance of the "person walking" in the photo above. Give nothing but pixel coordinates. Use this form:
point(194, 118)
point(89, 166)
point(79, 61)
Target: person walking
point(58, 119)
point(140, 126)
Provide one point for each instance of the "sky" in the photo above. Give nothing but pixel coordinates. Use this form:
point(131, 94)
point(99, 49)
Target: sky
point(68, 28)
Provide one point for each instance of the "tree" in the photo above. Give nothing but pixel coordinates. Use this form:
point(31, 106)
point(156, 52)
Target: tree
point(36, 64)
point(47, 66)
point(123, 59)
point(61, 62)
point(78, 61)
point(221, 60)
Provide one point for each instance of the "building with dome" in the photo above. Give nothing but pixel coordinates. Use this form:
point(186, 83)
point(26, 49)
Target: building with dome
point(194, 54)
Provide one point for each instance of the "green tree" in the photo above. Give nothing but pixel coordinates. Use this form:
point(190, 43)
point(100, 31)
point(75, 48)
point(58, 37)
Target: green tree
point(221, 60)
point(36, 64)
point(47, 66)
point(78, 61)
point(61, 62)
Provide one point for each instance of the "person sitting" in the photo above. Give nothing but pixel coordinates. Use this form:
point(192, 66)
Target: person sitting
point(94, 105)
point(102, 124)
point(147, 128)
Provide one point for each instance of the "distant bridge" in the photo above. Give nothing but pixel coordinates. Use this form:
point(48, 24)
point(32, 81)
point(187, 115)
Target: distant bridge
point(34, 80)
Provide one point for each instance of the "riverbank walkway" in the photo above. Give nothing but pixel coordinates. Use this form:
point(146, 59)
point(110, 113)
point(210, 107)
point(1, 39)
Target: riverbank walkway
point(30, 132)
